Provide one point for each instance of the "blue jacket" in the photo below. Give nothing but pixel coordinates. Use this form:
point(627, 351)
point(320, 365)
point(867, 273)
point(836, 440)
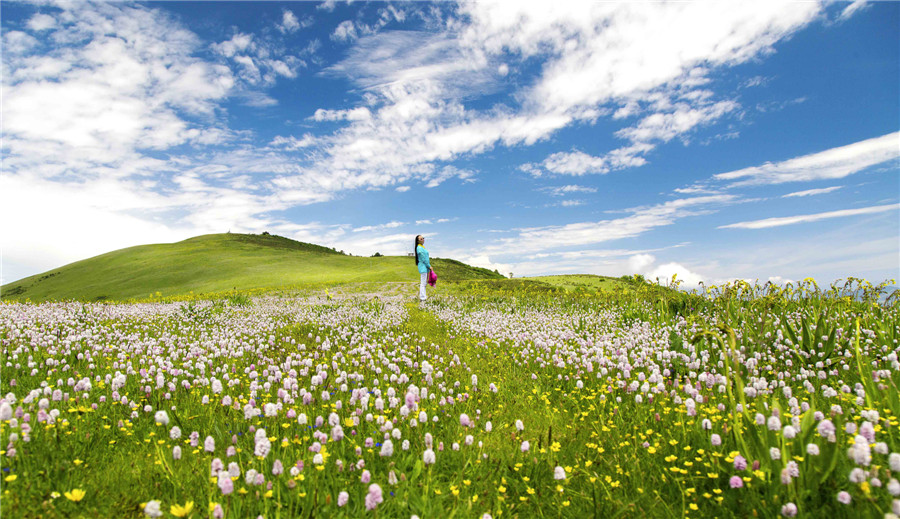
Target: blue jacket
point(424, 264)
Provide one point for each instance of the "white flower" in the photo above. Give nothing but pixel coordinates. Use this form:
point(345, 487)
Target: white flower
point(387, 448)
point(559, 473)
point(152, 509)
point(161, 418)
point(894, 461)
point(428, 457)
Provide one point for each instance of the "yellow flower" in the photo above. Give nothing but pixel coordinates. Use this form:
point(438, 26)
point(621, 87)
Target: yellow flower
point(76, 495)
point(10, 478)
point(182, 511)
point(77, 462)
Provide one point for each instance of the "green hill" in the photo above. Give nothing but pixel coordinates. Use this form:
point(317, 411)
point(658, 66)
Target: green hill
point(216, 263)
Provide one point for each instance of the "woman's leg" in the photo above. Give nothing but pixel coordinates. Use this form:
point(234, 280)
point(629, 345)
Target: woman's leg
point(423, 278)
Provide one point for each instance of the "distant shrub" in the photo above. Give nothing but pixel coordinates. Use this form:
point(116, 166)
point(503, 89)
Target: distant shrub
point(376, 255)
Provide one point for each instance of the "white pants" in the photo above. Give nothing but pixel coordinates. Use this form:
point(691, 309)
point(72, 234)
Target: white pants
point(423, 278)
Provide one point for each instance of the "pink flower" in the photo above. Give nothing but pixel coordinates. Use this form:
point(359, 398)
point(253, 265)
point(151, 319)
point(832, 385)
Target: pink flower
point(209, 445)
point(373, 497)
point(525, 446)
point(342, 499)
point(225, 483)
point(736, 482)
point(464, 420)
point(277, 467)
point(843, 498)
point(366, 476)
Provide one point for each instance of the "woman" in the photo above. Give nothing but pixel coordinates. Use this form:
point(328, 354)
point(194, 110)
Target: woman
point(423, 264)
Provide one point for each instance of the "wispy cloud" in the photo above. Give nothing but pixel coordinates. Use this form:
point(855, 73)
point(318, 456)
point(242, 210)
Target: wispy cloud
point(567, 190)
point(641, 220)
point(830, 164)
point(812, 192)
point(791, 220)
point(389, 225)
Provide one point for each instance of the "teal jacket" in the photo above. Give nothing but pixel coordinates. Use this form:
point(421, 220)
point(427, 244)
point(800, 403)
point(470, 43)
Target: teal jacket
point(424, 264)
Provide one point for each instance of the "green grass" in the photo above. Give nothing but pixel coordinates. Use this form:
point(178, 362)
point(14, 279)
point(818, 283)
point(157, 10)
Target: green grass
point(217, 263)
point(586, 282)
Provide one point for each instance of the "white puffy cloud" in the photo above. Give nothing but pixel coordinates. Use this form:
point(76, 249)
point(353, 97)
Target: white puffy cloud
point(41, 22)
point(345, 31)
point(670, 274)
point(290, 23)
point(485, 262)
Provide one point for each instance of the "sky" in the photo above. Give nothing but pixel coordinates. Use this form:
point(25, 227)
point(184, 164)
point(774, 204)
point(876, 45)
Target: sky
point(709, 140)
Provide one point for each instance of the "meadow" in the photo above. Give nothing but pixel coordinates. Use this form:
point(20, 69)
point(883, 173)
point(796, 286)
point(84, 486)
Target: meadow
point(493, 399)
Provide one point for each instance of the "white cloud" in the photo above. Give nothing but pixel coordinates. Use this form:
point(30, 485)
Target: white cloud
point(290, 23)
point(486, 263)
point(641, 220)
point(448, 172)
point(259, 62)
point(345, 31)
point(639, 263)
point(812, 192)
point(829, 164)
point(596, 57)
point(389, 225)
point(293, 143)
point(602, 51)
point(606, 262)
point(671, 273)
point(579, 163)
point(105, 98)
point(18, 42)
point(791, 220)
point(354, 114)
point(402, 189)
point(852, 9)
point(41, 22)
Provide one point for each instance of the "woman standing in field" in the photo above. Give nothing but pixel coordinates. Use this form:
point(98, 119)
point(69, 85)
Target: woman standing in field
point(423, 264)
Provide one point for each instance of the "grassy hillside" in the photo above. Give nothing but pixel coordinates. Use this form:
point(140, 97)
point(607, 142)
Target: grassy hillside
point(587, 282)
point(219, 262)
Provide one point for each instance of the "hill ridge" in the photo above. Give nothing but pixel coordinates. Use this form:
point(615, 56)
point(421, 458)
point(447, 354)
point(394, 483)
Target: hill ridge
point(215, 263)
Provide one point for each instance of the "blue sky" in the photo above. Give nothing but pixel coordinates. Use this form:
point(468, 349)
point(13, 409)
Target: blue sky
point(710, 140)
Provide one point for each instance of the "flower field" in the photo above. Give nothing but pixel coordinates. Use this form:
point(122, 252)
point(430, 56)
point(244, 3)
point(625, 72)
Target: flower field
point(489, 400)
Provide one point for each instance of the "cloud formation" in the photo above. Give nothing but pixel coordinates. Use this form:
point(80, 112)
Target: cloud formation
point(805, 218)
point(825, 165)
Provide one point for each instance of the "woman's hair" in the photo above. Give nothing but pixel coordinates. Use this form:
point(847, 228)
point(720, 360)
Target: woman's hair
point(416, 250)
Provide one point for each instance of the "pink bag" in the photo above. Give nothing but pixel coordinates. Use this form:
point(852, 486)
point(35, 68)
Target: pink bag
point(432, 278)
